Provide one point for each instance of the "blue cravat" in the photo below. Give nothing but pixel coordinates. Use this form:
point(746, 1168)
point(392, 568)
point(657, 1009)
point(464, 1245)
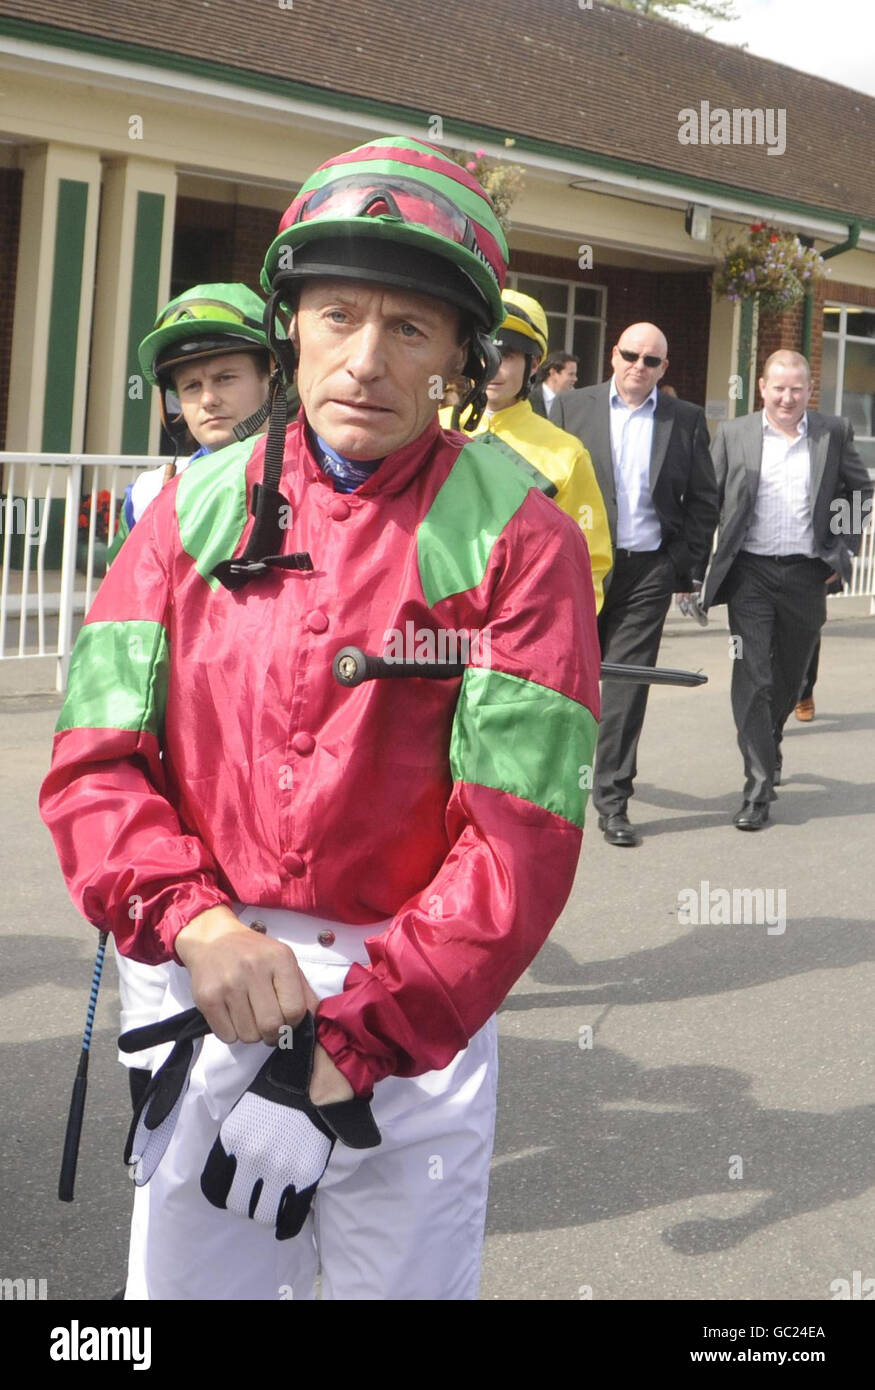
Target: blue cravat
point(348, 474)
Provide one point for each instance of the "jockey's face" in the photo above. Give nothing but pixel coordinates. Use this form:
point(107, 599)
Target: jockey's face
point(216, 393)
point(373, 363)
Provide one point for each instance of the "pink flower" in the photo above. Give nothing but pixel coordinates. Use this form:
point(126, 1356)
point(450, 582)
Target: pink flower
point(472, 164)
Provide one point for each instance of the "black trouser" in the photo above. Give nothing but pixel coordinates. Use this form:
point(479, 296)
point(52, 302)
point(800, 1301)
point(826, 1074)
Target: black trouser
point(777, 606)
point(809, 680)
point(630, 628)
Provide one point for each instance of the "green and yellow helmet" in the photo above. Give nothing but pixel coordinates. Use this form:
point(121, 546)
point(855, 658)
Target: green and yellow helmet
point(205, 321)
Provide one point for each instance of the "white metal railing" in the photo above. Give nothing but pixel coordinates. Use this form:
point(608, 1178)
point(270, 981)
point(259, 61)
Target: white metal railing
point(863, 568)
point(31, 483)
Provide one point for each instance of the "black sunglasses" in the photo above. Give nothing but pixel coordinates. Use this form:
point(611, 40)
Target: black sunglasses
point(648, 360)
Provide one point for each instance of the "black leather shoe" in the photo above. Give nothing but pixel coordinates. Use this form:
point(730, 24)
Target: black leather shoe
point(618, 831)
point(752, 816)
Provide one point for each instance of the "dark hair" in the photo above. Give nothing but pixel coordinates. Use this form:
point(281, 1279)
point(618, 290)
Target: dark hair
point(554, 363)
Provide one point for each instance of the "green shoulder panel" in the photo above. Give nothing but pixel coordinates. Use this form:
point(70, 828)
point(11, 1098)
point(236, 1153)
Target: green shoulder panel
point(211, 507)
point(535, 476)
point(483, 490)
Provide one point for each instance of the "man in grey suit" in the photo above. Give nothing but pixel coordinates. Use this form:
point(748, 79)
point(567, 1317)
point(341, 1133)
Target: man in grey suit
point(789, 527)
point(652, 459)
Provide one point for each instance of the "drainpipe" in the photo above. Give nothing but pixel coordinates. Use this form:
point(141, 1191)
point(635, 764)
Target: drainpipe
point(808, 303)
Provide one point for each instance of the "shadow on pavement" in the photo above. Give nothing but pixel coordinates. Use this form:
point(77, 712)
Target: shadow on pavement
point(588, 1149)
point(834, 798)
point(707, 960)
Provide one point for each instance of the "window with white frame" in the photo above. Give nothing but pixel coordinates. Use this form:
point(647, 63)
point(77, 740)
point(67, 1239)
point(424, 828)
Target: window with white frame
point(847, 381)
point(576, 318)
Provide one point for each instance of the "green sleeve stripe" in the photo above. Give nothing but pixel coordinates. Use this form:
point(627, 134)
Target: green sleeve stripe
point(469, 513)
point(211, 507)
point(118, 678)
point(522, 738)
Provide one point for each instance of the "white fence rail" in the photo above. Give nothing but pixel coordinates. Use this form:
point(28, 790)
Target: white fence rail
point(32, 482)
point(32, 592)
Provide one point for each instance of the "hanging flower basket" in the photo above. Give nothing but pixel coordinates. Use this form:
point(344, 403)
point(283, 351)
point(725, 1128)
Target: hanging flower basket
point(772, 264)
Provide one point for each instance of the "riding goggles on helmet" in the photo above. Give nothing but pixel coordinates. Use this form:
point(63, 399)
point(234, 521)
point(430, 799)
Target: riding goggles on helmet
point(213, 310)
point(361, 195)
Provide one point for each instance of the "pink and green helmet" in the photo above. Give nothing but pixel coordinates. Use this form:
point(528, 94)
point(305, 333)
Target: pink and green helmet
point(397, 211)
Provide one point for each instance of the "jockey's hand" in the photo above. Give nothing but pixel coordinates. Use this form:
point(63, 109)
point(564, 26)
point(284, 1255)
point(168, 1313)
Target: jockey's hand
point(246, 985)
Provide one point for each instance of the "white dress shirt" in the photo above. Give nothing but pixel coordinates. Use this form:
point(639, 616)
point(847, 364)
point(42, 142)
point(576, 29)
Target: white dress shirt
point(549, 396)
point(638, 525)
point(781, 522)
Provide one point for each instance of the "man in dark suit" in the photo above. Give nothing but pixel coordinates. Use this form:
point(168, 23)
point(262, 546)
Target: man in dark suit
point(557, 375)
point(653, 463)
point(789, 527)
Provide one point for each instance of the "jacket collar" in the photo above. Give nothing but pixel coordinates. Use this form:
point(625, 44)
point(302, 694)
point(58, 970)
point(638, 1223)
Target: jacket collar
point(510, 416)
point(393, 474)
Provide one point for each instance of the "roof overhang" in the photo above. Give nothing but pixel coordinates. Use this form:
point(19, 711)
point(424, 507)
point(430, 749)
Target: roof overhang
point(86, 59)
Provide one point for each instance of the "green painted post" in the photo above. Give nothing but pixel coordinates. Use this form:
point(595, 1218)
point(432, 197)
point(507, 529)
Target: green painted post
point(64, 316)
point(745, 350)
point(144, 307)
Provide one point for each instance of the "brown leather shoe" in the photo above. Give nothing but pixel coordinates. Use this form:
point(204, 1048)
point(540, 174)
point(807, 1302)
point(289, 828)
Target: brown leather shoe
point(805, 711)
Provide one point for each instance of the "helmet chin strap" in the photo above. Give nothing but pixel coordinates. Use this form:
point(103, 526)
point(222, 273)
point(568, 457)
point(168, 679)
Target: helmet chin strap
point(528, 378)
point(484, 360)
point(254, 422)
point(265, 543)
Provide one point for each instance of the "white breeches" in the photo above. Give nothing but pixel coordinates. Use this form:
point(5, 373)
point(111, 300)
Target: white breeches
point(403, 1221)
point(142, 989)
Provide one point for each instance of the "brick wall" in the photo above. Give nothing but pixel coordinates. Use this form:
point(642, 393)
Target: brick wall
point(220, 242)
point(10, 218)
point(785, 330)
point(678, 302)
point(254, 230)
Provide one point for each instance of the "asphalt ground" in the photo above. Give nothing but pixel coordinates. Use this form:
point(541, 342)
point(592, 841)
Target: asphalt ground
point(713, 1142)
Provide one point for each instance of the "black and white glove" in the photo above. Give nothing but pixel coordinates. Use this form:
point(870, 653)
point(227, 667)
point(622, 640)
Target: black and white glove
point(158, 1110)
point(274, 1146)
